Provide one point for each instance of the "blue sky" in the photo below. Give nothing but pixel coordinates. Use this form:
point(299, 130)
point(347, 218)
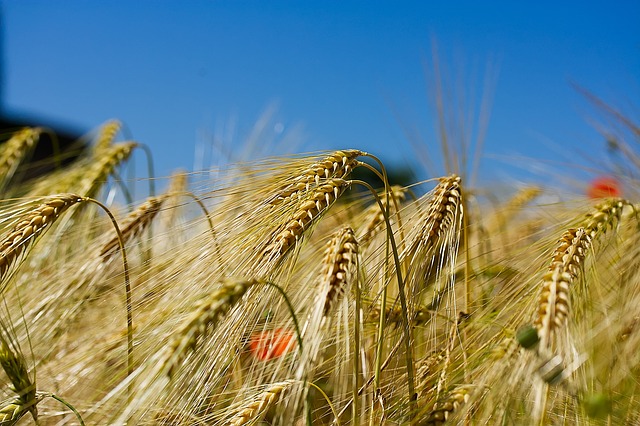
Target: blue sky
point(350, 74)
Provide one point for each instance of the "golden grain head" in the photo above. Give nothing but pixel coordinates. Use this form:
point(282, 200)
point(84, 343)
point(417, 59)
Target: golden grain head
point(135, 223)
point(106, 136)
point(566, 262)
point(205, 316)
point(30, 226)
point(255, 409)
point(339, 265)
point(338, 165)
point(316, 202)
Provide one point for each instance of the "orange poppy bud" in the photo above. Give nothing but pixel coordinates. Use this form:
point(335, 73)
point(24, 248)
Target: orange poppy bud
point(270, 344)
point(603, 187)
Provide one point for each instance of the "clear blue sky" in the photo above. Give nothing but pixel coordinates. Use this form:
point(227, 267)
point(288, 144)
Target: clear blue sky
point(353, 74)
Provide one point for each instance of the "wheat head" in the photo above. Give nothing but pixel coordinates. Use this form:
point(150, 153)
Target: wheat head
point(106, 136)
point(205, 316)
point(316, 202)
point(15, 149)
point(339, 265)
point(338, 164)
point(256, 409)
point(137, 221)
point(30, 227)
point(553, 306)
point(94, 177)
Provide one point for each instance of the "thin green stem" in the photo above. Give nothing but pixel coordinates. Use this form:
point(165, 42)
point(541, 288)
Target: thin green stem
point(150, 170)
point(291, 311)
point(127, 283)
point(356, 353)
point(69, 406)
point(403, 301)
point(125, 191)
point(211, 227)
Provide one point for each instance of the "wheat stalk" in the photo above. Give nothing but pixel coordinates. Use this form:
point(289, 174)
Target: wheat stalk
point(137, 221)
point(339, 264)
point(375, 217)
point(13, 151)
point(256, 409)
point(30, 227)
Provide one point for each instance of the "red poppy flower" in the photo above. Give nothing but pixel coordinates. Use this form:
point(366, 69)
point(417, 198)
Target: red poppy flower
point(270, 344)
point(603, 187)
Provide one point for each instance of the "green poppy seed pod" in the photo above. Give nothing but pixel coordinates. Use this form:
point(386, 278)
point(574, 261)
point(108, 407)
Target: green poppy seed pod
point(528, 337)
point(597, 405)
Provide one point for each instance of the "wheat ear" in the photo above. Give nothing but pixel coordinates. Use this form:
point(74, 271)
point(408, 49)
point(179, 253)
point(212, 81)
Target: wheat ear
point(137, 221)
point(515, 204)
point(393, 315)
point(605, 215)
point(339, 264)
point(15, 367)
point(30, 227)
point(15, 149)
point(338, 164)
point(104, 166)
point(12, 411)
point(205, 316)
point(106, 136)
point(569, 255)
point(178, 185)
point(442, 212)
point(553, 306)
point(256, 409)
point(33, 224)
point(316, 202)
point(448, 406)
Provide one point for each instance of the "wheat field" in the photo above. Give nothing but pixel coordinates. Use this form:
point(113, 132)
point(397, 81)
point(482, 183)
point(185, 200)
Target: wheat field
point(287, 291)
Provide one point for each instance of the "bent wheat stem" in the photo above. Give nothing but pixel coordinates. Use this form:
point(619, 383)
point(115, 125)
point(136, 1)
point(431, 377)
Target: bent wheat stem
point(403, 301)
point(127, 283)
point(69, 406)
